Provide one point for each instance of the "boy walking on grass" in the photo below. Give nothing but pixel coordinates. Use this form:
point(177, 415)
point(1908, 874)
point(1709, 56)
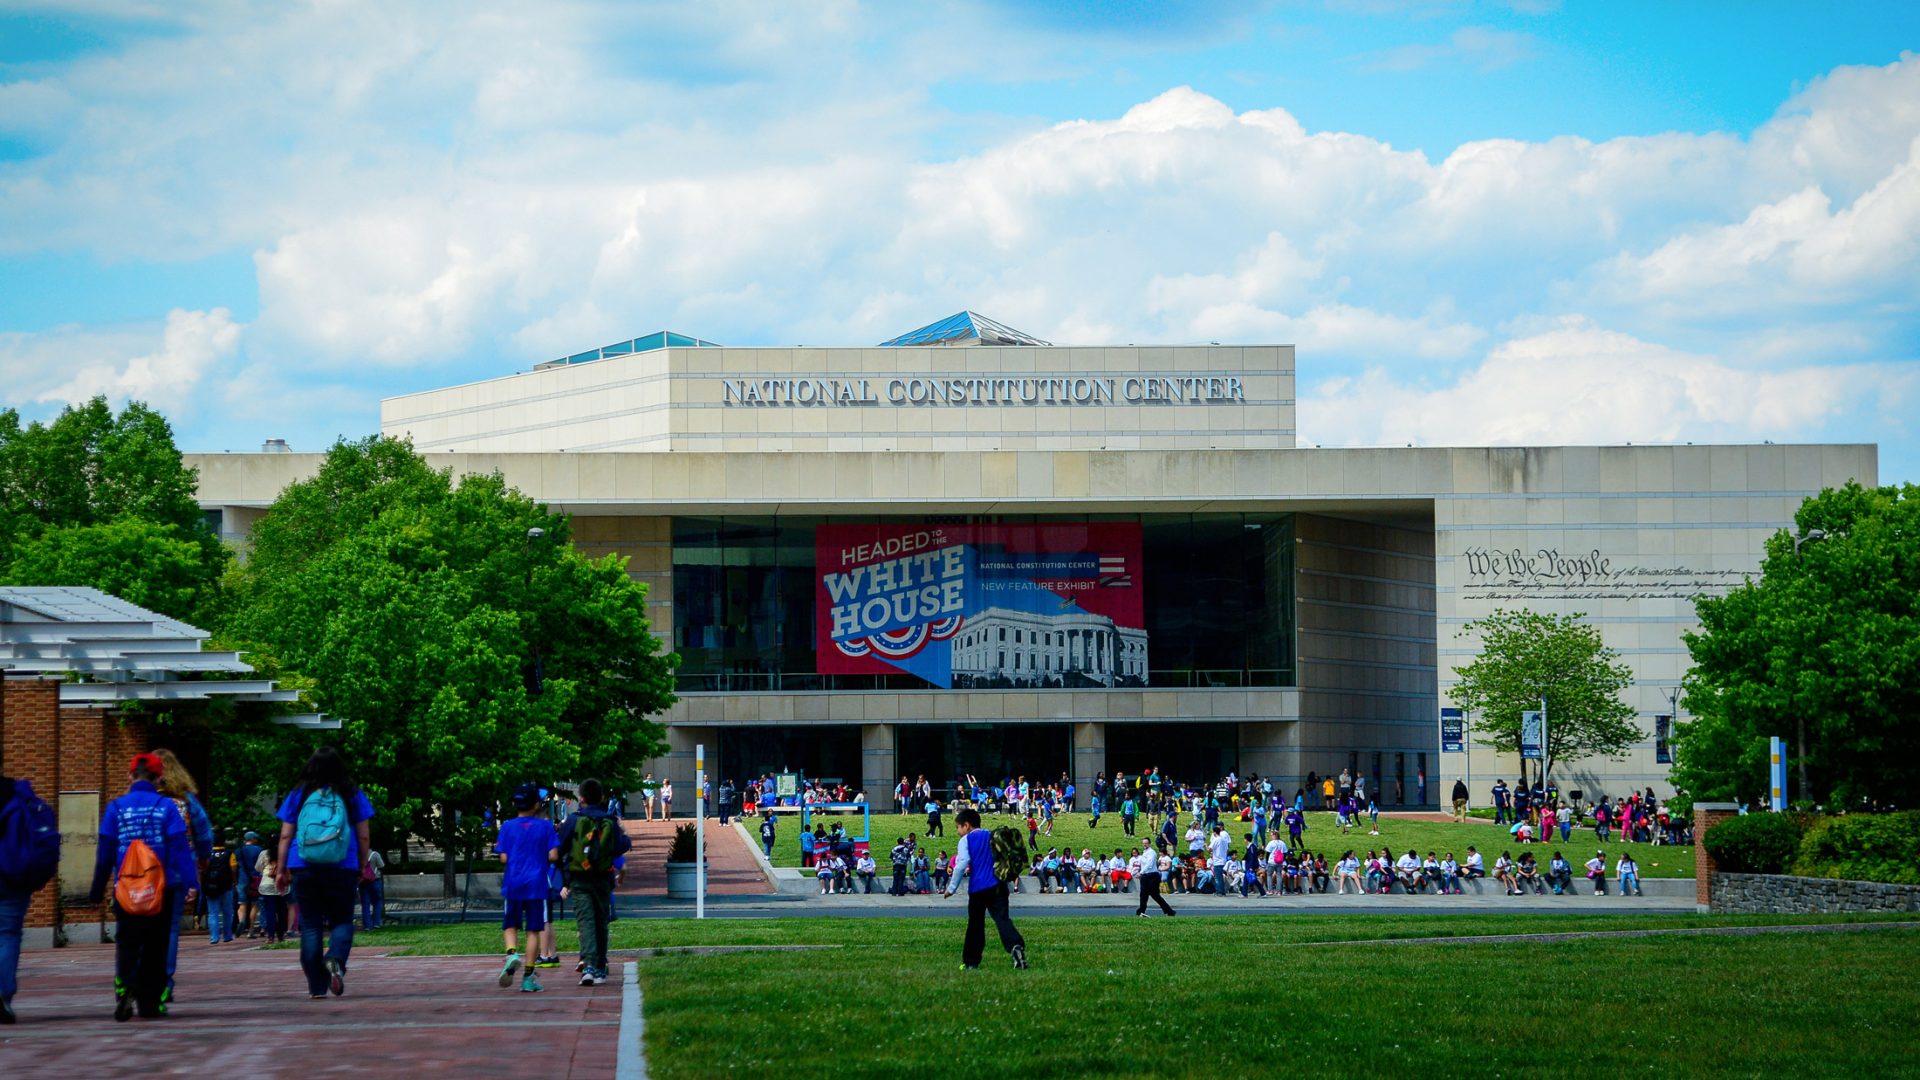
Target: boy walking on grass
point(986, 894)
point(528, 845)
point(591, 841)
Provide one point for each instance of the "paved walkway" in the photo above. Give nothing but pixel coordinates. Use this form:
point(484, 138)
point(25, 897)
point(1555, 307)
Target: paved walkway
point(243, 1013)
point(731, 869)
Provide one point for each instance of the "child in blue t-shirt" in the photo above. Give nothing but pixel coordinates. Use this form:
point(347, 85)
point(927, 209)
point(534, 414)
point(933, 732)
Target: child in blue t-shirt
point(528, 845)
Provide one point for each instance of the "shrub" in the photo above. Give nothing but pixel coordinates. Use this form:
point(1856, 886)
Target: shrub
point(1754, 843)
point(1863, 847)
point(684, 845)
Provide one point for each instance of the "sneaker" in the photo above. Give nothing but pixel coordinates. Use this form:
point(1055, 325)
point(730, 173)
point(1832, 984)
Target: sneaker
point(581, 966)
point(530, 985)
point(592, 978)
point(336, 978)
point(122, 1003)
point(547, 961)
point(6, 1011)
point(1142, 914)
point(506, 971)
point(1020, 957)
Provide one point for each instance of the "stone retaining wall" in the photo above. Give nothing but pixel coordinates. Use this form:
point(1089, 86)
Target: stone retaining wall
point(1784, 894)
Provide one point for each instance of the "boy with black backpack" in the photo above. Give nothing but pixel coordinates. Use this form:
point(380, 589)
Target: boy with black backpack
point(217, 883)
point(986, 862)
point(591, 843)
point(144, 848)
point(29, 857)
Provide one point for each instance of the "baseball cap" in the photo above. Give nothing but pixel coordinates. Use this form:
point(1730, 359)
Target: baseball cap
point(251, 835)
point(149, 762)
point(526, 796)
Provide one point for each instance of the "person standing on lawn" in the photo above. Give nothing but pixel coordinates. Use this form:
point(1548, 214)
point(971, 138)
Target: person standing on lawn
point(986, 894)
point(590, 841)
point(1149, 878)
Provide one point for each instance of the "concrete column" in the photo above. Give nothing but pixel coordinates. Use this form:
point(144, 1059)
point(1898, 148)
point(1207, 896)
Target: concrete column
point(1089, 757)
point(1705, 816)
point(879, 763)
point(678, 764)
point(1267, 748)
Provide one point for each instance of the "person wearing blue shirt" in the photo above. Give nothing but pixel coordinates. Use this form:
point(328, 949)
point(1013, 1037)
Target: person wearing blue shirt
point(324, 889)
point(250, 851)
point(986, 894)
point(529, 846)
point(140, 941)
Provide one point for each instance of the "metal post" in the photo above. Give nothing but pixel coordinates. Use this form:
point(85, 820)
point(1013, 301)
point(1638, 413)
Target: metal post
point(1546, 752)
point(700, 831)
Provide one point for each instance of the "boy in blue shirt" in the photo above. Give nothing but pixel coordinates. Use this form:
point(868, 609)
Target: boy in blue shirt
point(140, 941)
point(986, 894)
point(528, 845)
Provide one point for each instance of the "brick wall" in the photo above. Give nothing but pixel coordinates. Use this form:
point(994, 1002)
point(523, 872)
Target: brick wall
point(1706, 816)
point(63, 750)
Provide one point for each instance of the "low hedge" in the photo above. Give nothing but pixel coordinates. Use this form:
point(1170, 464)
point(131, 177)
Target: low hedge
point(1754, 843)
point(1859, 847)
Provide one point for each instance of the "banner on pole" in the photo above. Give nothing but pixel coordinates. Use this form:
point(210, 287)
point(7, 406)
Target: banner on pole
point(1533, 735)
point(1453, 731)
point(1777, 773)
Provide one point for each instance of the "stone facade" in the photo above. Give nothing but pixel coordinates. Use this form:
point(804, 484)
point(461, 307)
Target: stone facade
point(1744, 894)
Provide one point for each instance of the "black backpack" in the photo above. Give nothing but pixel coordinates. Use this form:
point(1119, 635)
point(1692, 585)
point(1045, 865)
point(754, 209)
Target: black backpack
point(219, 876)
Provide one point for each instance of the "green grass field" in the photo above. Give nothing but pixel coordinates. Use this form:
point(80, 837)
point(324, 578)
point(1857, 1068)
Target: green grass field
point(1198, 997)
point(1321, 836)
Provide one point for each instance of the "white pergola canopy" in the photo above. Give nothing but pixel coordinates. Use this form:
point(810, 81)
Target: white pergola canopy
point(119, 652)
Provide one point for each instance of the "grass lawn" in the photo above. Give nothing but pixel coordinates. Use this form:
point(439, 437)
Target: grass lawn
point(1126, 997)
point(1321, 836)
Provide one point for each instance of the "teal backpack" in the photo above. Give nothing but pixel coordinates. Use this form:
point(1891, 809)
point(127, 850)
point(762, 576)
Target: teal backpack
point(322, 828)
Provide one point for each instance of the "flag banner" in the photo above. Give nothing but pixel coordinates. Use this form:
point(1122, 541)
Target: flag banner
point(1453, 731)
point(1055, 605)
point(1532, 743)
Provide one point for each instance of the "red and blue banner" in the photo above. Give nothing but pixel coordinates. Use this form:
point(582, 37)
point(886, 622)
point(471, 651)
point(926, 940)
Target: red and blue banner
point(1045, 605)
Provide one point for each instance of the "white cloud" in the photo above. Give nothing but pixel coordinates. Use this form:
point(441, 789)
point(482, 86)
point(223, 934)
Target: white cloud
point(72, 364)
point(1582, 384)
point(498, 184)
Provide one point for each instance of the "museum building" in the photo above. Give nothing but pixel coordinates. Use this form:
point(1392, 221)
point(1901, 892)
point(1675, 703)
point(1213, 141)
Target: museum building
point(967, 550)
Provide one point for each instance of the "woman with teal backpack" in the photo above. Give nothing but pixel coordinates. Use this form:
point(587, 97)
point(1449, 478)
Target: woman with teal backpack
point(323, 837)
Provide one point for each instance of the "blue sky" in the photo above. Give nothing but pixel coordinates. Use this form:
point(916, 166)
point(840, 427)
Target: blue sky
point(1528, 222)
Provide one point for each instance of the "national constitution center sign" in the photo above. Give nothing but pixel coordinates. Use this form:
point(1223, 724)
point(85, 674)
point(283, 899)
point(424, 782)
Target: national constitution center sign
point(1042, 606)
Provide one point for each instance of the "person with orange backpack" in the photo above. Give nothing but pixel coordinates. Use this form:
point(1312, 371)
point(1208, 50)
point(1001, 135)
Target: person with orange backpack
point(146, 852)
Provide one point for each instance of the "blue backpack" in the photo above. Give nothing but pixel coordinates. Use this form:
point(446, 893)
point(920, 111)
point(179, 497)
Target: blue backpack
point(321, 828)
point(29, 840)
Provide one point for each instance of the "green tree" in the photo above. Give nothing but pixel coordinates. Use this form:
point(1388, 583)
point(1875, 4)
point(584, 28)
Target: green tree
point(1525, 657)
point(104, 500)
point(138, 561)
point(466, 653)
point(1823, 650)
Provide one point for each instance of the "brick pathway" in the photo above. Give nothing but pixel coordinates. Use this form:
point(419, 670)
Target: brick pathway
point(731, 868)
point(244, 1013)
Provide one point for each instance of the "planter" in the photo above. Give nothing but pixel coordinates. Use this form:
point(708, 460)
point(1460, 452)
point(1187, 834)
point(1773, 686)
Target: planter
point(681, 881)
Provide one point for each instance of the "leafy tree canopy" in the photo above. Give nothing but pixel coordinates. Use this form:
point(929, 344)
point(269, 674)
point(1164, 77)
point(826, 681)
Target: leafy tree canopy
point(1526, 656)
point(106, 501)
point(466, 655)
point(1824, 651)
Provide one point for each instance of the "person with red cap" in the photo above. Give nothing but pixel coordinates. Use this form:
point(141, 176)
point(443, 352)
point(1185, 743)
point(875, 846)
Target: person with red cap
point(146, 879)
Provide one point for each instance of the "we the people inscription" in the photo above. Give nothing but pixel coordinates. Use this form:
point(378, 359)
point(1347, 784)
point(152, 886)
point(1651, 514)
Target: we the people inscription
point(1548, 573)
